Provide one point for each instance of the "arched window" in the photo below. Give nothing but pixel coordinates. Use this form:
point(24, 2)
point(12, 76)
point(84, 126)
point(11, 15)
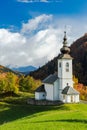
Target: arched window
point(59, 64)
point(67, 64)
point(67, 67)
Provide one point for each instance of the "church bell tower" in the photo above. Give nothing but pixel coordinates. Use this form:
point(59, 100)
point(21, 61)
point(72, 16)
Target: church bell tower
point(64, 67)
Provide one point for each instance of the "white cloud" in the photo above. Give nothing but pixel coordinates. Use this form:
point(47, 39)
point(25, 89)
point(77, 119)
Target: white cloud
point(39, 40)
point(9, 38)
point(37, 23)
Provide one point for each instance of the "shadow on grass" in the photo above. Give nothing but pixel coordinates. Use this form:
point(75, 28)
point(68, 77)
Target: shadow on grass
point(14, 111)
point(64, 120)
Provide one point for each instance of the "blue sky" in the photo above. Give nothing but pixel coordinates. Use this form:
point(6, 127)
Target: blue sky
point(31, 31)
point(14, 13)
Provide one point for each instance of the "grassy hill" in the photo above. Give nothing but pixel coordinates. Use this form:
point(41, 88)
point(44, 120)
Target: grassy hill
point(20, 116)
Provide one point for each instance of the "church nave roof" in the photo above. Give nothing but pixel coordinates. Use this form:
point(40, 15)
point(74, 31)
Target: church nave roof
point(50, 79)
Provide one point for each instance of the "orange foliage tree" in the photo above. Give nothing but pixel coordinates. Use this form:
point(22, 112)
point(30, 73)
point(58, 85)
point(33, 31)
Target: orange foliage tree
point(81, 88)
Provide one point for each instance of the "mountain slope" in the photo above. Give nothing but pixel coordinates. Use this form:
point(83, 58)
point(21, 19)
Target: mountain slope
point(23, 69)
point(4, 69)
point(45, 70)
point(78, 52)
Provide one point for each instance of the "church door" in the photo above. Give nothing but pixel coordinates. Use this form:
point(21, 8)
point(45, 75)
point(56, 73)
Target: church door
point(72, 99)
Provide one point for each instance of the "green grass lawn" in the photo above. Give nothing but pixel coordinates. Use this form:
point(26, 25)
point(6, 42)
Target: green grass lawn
point(17, 115)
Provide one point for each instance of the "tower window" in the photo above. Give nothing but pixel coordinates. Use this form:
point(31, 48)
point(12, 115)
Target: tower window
point(60, 64)
point(67, 67)
point(67, 64)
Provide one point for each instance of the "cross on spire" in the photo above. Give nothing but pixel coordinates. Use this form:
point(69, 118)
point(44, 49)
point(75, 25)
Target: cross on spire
point(65, 49)
point(65, 39)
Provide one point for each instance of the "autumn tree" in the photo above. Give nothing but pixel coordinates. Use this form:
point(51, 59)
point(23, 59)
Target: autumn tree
point(28, 83)
point(81, 88)
point(9, 83)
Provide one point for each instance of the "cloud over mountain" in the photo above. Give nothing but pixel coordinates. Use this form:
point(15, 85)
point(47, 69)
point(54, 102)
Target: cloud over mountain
point(38, 41)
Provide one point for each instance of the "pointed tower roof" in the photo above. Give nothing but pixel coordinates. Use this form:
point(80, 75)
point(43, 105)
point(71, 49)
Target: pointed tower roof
point(65, 50)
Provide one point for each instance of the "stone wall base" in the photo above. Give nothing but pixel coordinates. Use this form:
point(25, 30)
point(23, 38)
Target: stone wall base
point(32, 101)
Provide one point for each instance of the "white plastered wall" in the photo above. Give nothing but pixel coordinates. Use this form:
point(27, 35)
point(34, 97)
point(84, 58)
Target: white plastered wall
point(55, 91)
point(71, 98)
point(40, 95)
point(49, 91)
point(62, 73)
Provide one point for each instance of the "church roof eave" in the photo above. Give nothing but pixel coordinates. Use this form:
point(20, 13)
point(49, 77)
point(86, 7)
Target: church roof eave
point(50, 79)
point(69, 91)
point(64, 56)
point(40, 89)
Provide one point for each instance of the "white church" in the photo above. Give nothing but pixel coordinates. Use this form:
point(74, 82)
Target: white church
point(59, 86)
